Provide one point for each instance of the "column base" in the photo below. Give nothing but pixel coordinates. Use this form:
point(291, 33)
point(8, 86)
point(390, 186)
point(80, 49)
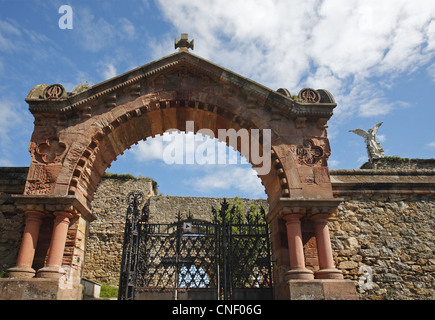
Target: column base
point(51, 272)
point(329, 274)
point(329, 289)
point(301, 274)
point(38, 289)
point(21, 272)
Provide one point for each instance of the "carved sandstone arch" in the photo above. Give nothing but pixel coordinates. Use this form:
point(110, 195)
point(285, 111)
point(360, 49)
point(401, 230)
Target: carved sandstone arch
point(77, 135)
point(82, 133)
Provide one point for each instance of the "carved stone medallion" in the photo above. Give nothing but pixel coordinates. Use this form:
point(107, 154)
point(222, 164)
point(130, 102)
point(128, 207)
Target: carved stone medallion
point(308, 153)
point(309, 95)
point(51, 150)
point(55, 91)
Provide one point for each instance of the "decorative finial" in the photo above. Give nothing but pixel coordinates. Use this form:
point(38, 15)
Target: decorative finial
point(374, 148)
point(184, 44)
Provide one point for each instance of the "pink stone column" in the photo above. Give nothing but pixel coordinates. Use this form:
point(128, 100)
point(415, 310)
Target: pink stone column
point(52, 268)
point(296, 250)
point(324, 251)
point(29, 241)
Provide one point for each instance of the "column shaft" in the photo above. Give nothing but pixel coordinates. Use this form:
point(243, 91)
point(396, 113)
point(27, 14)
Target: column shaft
point(296, 250)
point(52, 268)
point(29, 241)
point(323, 241)
point(324, 251)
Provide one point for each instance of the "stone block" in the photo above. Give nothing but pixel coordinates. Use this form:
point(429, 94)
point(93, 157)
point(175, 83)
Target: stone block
point(37, 289)
point(91, 288)
point(322, 290)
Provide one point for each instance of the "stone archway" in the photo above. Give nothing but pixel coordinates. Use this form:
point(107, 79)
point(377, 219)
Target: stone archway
point(77, 135)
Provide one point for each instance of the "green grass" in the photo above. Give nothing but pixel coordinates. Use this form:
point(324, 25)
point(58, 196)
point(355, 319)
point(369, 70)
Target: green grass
point(126, 176)
point(108, 292)
point(129, 176)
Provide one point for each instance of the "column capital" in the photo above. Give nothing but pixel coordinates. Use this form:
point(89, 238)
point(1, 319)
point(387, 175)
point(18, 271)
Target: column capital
point(310, 208)
point(52, 204)
point(35, 214)
point(64, 214)
point(323, 211)
point(321, 217)
point(290, 214)
point(292, 219)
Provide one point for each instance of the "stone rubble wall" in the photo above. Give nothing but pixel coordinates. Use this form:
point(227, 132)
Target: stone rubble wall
point(164, 209)
point(389, 163)
point(11, 224)
point(389, 234)
point(393, 239)
point(106, 234)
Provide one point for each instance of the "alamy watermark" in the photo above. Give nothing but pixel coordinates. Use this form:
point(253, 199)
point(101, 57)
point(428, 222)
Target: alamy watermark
point(189, 149)
point(66, 20)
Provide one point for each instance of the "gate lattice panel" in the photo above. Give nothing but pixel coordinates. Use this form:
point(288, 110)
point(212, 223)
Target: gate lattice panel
point(226, 258)
point(173, 260)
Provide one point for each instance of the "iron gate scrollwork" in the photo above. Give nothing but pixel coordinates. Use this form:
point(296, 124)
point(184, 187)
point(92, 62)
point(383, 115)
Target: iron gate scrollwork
point(134, 221)
point(245, 254)
point(228, 257)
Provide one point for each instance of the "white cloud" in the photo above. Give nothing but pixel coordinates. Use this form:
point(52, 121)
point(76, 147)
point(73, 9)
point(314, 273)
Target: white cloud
point(362, 159)
point(431, 144)
point(6, 163)
point(108, 70)
point(151, 149)
point(212, 177)
point(8, 36)
point(337, 45)
point(381, 137)
point(333, 163)
point(379, 106)
point(431, 71)
point(127, 28)
point(9, 120)
point(15, 38)
point(94, 33)
point(375, 107)
point(242, 179)
point(16, 126)
point(186, 148)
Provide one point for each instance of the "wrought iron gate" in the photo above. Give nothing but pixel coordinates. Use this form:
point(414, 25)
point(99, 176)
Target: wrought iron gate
point(134, 222)
point(226, 258)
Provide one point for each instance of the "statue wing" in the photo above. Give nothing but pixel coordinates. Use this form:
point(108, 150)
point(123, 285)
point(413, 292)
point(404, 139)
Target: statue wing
point(376, 127)
point(359, 132)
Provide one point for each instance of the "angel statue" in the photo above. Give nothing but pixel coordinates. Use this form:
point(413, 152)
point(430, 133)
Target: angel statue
point(374, 148)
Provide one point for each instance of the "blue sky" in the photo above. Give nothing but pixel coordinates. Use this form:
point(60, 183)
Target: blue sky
point(376, 57)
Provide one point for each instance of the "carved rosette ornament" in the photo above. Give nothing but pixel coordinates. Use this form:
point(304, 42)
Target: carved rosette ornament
point(309, 153)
